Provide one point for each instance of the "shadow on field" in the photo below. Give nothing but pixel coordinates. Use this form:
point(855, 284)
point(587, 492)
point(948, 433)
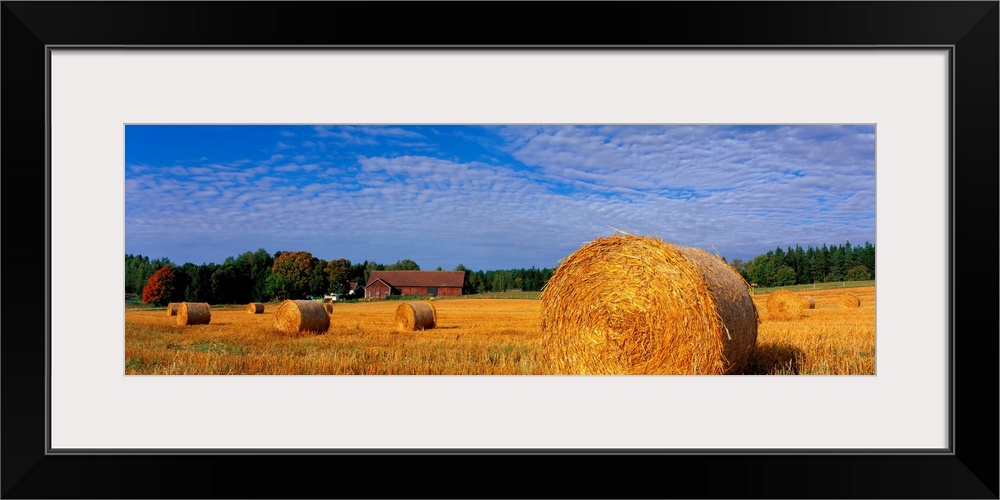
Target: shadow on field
point(775, 359)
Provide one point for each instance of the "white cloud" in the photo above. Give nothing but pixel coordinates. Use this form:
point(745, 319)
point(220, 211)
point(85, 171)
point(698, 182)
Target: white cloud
point(743, 192)
point(294, 167)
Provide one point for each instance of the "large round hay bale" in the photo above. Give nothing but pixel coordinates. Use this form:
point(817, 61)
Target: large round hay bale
point(255, 308)
point(807, 302)
point(638, 305)
point(849, 300)
point(193, 313)
point(301, 316)
point(782, 304)
point(412, 316)
point(172, 308)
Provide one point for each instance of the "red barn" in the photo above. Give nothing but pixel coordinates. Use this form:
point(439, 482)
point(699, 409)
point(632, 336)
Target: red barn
point(431, 283)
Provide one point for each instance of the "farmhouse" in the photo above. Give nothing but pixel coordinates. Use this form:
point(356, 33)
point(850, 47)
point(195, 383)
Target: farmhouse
point(432, 283)
point(355, 289)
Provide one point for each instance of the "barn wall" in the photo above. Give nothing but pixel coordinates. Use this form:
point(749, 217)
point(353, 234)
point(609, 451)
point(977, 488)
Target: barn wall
point(443, 291)
point(377, 288)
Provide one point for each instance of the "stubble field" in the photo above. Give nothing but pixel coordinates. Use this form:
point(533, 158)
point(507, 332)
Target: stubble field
point(473, 336)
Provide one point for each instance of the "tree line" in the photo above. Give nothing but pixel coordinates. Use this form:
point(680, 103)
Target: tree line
point(811, 265)
point(261, 277)
point(526, 280)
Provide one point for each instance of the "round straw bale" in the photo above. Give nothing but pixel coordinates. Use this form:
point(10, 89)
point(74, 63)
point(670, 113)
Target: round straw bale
point(849, 300)
point(329, 307)
point(638, 305)
point(193, 313)
point(172, 308)
point(782, 304)
point(255, 308)
point(807, 302)
point(300, 316)
point(412, 316)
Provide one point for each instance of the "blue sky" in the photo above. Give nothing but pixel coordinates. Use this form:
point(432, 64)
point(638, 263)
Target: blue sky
point(491, 197)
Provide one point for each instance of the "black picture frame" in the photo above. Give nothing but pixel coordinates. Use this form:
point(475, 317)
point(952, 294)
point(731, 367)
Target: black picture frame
point(970, 29)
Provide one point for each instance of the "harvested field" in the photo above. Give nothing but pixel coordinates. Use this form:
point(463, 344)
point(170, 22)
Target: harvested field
point(472, 336)
point(826, 340)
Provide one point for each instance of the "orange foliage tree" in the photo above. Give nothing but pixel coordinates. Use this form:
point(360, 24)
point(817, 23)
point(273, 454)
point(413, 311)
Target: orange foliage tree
point(161, 287)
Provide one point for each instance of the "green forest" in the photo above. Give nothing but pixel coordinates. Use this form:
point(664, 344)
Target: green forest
point(261, 276)
point(800, 266)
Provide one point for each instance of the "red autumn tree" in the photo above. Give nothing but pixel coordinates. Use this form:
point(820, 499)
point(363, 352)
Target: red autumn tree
point(161, 287)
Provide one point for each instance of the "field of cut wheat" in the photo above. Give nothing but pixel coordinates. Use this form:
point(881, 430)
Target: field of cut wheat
point(495, 336)
point(830, 339)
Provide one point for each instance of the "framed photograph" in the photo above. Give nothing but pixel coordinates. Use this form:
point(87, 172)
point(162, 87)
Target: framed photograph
point(200, 131)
